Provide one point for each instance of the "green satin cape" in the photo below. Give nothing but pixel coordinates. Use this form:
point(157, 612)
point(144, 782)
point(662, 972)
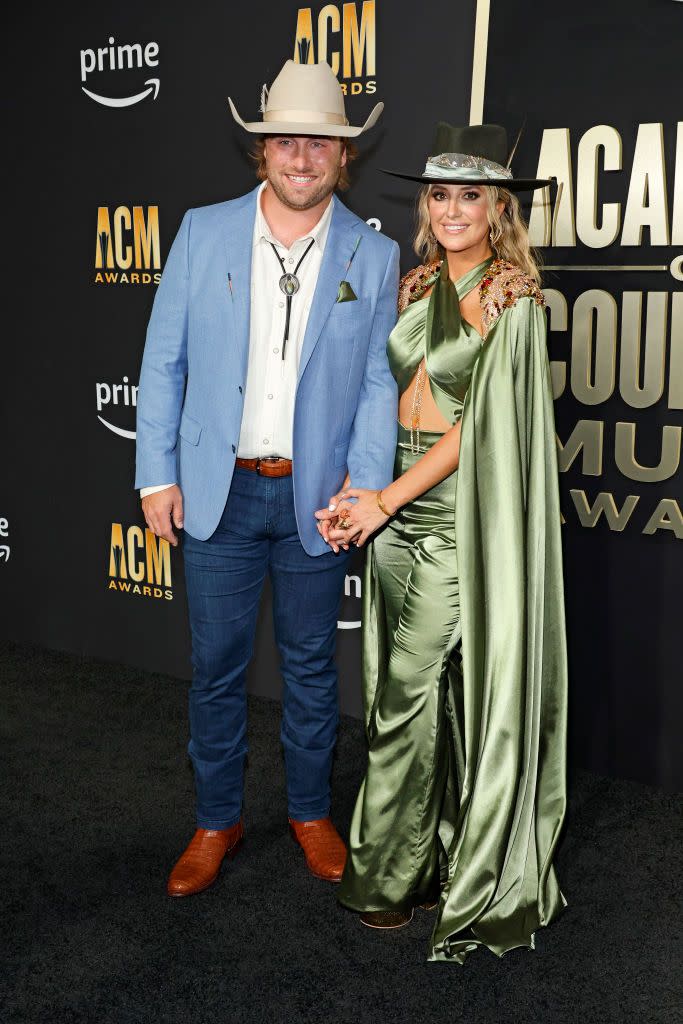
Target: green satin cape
point(505, 798)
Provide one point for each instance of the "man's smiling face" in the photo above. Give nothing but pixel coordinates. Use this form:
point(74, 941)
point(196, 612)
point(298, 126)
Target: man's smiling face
point(303, 169)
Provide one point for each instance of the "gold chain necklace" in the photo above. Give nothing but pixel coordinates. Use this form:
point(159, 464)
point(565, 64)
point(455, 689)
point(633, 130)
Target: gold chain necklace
point(420, 379)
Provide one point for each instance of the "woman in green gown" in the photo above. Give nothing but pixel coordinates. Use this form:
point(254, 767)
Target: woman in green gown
point(464, 660)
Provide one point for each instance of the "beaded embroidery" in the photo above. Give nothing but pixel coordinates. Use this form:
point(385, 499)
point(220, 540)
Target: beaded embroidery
point(416, 282)
point(500, 288)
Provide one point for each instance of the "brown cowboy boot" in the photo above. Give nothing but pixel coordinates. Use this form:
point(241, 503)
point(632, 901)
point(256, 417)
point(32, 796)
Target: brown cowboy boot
point(323, 848)
point(199, 865)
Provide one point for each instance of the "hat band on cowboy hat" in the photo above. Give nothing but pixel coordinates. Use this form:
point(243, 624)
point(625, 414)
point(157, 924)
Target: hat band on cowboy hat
point(443, 166)
point(304, 117)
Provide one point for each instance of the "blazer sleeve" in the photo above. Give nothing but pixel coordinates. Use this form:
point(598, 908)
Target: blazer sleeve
point(164, 369)
point(373, 436)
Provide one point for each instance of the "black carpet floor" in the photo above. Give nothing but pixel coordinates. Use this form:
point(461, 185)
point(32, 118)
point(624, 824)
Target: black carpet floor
point(97, 804)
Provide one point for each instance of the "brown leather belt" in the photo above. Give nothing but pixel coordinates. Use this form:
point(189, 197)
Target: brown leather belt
point(267, 467)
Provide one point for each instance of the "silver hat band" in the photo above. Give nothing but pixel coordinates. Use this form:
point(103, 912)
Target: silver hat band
point(466, 166)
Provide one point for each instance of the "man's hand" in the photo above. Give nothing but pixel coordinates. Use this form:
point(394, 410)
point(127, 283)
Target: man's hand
point(327, 518)
point(162, 511)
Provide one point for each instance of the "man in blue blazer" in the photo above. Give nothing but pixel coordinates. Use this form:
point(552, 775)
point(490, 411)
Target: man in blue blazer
point(264, 386)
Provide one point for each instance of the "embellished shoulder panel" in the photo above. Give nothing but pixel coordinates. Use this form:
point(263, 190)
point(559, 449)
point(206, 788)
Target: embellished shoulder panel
point(416, 282)
point(501, 287)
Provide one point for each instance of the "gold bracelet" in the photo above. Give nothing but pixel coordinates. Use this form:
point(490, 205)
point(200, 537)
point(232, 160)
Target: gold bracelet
point(383, 508)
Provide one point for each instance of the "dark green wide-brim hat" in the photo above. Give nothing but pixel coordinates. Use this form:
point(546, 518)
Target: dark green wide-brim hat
point(471, 155)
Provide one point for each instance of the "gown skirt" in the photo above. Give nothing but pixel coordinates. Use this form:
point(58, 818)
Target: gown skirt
point(394, 849)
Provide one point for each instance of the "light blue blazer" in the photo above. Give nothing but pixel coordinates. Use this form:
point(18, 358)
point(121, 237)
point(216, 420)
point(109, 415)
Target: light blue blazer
point(194, 368)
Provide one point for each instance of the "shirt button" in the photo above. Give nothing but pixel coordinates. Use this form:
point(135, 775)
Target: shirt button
point(280, 304)
point(276, 350)
point(290, 260)
point(265, 440)
point(270, 396)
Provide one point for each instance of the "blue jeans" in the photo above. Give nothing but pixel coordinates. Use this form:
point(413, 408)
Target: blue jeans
point(225, 574)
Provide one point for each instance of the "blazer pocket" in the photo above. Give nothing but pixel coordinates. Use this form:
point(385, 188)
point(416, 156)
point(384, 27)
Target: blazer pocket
point(190, 430)
point(357, 307)
point(340, 453)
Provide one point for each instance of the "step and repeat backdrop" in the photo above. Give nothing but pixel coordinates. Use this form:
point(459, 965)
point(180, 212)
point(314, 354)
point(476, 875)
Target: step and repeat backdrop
point(119, 123)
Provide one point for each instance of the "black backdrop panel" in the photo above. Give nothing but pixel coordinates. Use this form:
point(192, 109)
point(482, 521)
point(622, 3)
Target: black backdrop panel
point(94, 171)
point(84, 171)
point(600, 84)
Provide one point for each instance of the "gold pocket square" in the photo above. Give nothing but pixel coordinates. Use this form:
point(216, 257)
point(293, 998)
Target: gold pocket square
point(346, 292)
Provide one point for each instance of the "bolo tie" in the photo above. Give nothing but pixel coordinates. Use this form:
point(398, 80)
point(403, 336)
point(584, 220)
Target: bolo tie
point(289, 284)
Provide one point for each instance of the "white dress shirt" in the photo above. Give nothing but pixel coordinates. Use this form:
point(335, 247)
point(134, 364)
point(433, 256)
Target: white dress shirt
point(268, 414)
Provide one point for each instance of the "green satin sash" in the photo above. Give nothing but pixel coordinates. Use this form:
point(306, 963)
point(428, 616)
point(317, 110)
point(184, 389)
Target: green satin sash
point(432, 328)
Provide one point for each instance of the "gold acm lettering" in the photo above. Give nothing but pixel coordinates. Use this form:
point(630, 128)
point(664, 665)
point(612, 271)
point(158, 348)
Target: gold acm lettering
point(139, 556)
point(594, 340)
point(124, 253)
point(135, 548)
point(146, 237)
point(617, 518)
point(625, 457)
point(117, 560)
point(358, 57)
point(601, 137)
point(548, 225)
point(587, 438)
point(158, 552)
point(677, 216)
point(329, 21)
point(581, 214)
point(636, 364)
point(667, 516)
point(104, 255)
point(646, 204)
point(359, 40)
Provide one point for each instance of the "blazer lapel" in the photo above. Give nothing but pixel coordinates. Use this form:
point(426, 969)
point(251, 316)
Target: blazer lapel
point(341, 239)
point(239, 235)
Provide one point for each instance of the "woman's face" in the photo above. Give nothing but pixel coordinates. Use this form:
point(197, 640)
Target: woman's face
point(458, 216)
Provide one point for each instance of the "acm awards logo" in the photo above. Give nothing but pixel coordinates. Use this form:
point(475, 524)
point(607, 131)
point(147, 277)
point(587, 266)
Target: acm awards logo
point(345, 36)
point(116, 57)
point(139, 563)
point(127, 249)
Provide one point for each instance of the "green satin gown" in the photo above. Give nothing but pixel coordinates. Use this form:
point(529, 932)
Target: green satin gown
point(464, 660)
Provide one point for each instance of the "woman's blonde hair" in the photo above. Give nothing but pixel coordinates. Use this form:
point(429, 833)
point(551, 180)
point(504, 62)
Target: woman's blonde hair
point(258, 155)
point(509, 237)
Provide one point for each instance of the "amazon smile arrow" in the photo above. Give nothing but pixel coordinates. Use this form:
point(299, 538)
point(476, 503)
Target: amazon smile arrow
point(126, 101)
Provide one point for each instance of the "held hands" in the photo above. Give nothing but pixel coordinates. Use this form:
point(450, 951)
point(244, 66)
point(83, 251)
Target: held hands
point(162, 511)
point(343, 523)
point(327, 519)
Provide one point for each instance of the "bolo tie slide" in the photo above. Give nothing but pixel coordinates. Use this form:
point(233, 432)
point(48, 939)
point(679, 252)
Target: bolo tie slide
point(289, 284)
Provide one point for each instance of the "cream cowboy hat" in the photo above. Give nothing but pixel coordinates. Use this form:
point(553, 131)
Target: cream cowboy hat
point(305, 99)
